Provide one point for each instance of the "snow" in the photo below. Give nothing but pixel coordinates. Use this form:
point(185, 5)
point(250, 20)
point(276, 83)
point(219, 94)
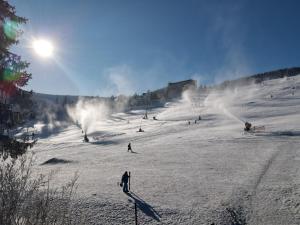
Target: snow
point(211, 171)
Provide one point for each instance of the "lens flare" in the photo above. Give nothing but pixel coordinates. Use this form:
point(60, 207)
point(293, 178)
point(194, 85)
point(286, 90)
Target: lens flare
point(10, 29)
point(43, 48)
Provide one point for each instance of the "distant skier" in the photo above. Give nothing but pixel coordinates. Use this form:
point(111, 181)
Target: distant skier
point(189, 122)
point(154, 118)
point(124, 182)
point(199, 118)
point(141, 130)
point(195, 121)
point(129, 147)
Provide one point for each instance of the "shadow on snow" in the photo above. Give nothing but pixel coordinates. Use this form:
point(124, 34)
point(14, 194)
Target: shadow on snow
point(144, 206)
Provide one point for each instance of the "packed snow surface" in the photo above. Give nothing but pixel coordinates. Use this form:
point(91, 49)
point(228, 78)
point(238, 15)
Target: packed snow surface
point(207, 172)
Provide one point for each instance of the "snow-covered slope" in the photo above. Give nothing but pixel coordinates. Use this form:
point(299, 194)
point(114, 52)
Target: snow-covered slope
point(203, 173)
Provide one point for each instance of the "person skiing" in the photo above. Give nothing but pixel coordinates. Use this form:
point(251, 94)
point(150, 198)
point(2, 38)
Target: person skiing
point(129, 147)
point(124, 182)
point(199, 118)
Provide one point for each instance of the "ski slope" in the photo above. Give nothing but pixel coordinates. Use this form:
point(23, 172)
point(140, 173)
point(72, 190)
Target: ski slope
point(203, 173)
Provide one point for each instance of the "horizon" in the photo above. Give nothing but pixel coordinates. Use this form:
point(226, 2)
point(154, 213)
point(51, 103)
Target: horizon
point(214, 85)
point(104, 48)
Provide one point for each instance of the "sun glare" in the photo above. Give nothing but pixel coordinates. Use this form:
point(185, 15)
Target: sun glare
point(43, 48)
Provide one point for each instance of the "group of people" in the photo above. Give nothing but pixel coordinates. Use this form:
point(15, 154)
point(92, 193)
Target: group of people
point(199, 118)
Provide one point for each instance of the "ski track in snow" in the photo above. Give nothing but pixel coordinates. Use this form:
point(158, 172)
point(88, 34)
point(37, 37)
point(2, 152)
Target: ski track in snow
point(190, 174)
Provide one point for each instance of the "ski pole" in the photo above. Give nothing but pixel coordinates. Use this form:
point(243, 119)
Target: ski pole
point(129, 180)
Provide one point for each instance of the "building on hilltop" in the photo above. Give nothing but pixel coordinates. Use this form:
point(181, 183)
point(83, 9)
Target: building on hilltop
point(175, 90)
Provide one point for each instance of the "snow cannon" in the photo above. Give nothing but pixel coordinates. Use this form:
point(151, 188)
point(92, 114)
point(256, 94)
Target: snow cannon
point(247, 126)
point(86, 139)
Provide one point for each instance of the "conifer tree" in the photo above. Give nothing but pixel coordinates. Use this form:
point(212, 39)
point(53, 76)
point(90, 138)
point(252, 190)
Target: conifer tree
point(13, 74)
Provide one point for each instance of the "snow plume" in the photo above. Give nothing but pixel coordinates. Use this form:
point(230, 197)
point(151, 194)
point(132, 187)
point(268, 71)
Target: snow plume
point(223, 101)
point(89, 113)
point(178, 110)
point(190, 99)
point(50, 117)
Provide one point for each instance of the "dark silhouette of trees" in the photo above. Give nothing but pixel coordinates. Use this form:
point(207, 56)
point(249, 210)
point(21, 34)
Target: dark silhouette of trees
point(13, 72)
point(13, 76)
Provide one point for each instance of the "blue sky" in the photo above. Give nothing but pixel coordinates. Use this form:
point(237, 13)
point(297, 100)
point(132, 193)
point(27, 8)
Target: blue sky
point(105, 47)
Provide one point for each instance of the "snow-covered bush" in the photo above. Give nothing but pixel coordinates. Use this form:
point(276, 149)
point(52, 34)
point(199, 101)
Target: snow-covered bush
point(27, 199)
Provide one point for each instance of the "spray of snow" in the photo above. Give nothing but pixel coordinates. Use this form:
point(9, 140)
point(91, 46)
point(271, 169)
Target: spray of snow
point(89, 113)
point(178, 111)
point(221, 104)
point(223, 101)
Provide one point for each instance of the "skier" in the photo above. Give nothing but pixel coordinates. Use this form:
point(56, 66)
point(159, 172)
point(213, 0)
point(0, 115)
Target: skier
point(195, 121)
point(189, 122)
point(141, 130)
point(199, 118)
point(124, 182)
point(247, 126)
point(129, 147)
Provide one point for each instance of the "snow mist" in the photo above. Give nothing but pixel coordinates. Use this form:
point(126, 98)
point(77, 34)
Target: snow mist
point(89, 113)
point(223, 101)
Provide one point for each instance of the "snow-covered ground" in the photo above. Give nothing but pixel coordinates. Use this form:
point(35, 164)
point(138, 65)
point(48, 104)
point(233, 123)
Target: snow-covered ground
point(203, 173)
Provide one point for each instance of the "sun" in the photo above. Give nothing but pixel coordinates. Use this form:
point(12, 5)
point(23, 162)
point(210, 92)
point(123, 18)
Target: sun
point(43, 48)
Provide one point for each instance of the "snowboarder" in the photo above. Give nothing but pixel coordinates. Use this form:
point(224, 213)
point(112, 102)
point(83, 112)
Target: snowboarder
point(86, 139)
point(124, 182)
point(129, 147)
point(247, 126)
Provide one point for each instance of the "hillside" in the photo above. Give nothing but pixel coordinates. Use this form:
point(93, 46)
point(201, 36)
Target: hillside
point(203, 173)
point(260, 77)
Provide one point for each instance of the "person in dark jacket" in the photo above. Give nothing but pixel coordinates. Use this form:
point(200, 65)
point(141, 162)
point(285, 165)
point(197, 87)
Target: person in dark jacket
point(129, 147)
point(124, 182)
